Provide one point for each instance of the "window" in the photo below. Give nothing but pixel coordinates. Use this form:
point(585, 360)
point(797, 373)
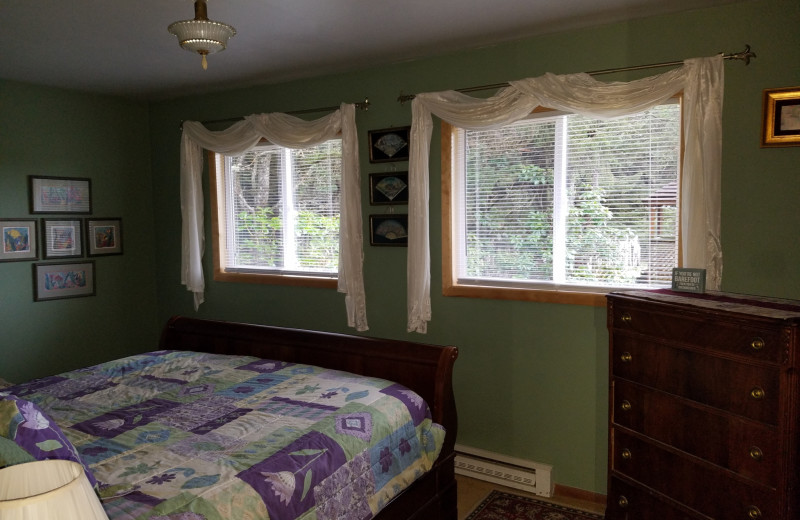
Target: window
point(276, 215)
point(561, 207)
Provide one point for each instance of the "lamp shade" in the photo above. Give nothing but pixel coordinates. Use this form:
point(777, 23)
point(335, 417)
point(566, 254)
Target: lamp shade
point(48, 489)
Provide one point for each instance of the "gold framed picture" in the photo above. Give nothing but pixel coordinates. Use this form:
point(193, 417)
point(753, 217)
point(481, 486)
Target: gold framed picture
point(781, 126)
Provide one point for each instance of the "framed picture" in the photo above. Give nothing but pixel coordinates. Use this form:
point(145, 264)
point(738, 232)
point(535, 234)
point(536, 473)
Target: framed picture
point(60, 195)
point(63, 280)
point(781, 126)
point(19, 239)
point(388, 188)
point(389, 144)
point(103, 236)
point(62, 238)
point(388, 230)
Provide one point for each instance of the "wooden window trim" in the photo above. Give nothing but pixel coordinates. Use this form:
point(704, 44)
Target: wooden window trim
point(449, 285)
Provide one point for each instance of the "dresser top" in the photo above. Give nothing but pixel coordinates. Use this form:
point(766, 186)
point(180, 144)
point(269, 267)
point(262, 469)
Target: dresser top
point(775, 308)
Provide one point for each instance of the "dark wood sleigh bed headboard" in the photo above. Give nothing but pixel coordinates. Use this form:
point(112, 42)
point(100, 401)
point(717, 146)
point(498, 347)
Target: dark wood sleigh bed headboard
point(426, 369)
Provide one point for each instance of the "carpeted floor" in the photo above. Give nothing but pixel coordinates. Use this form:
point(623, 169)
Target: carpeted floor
point(506, 506)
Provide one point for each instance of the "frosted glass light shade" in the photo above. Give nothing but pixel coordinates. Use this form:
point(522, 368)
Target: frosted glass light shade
point(202, 36)
point(48, 489)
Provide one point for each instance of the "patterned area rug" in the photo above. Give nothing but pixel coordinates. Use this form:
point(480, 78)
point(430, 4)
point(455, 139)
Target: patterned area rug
point(505, 506)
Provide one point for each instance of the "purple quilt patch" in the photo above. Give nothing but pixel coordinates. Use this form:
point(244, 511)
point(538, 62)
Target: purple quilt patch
point(265, 366)
point(31, 429)
point(142, 498)
point(416, 405)
point(357, 424)
point(210, 447)
point(25, 389)
point(189, 416)
point(125, 419)
point(69, 389)
point(285, 480)
point(346, 493)
point(220, 421)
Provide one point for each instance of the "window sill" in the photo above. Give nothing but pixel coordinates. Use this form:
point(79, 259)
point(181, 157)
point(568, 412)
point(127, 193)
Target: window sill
point(274, 279)
point(593, 299)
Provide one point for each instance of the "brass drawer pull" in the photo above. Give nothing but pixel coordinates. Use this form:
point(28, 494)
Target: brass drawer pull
point(626, 454)
point(623, 501)
point(757, 393)
point(756, 453)
point(626, 357)
point(757, 344)
point(626, 405)
point(626, 318)
point(753, 513)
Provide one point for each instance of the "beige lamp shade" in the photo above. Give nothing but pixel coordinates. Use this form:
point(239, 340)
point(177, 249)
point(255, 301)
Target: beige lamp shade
point(48, 489)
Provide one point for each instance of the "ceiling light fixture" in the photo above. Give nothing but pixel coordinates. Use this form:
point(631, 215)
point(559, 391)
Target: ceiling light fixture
point(202, 35)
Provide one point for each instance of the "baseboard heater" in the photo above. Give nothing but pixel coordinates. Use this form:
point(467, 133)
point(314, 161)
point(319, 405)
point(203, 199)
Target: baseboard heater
point(512, 472)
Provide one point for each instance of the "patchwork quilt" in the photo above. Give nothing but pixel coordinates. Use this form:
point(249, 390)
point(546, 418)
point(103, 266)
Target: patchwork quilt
point(192, 436)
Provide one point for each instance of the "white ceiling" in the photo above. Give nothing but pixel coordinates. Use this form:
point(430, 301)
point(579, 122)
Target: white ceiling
point(122, 47)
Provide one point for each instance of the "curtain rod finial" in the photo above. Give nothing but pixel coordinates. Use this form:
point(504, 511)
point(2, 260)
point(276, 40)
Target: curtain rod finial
point(402, 98)
point(745, 55)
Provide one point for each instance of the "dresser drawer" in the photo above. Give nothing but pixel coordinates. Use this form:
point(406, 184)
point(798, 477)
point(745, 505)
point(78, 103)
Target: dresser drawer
point(710, 490)
point(701, 330)
point(751, 391)
point(627, 502)
point(749, 448)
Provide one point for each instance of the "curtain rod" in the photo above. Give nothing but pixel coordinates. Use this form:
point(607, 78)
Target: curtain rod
point(361, 105)
point(745, 56)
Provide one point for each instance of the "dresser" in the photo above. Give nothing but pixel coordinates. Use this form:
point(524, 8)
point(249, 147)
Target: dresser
point(704, 418)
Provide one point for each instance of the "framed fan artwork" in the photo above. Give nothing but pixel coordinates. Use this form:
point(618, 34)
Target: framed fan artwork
point(389, 144)
point(388, 188)
point(388, 230)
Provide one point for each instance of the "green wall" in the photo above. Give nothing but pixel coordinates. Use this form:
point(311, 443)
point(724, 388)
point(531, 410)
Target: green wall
point(531, 379)
point(52, 132)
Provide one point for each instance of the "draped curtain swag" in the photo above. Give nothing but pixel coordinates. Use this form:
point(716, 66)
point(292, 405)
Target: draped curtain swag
point(700, 79)
point(290, 132)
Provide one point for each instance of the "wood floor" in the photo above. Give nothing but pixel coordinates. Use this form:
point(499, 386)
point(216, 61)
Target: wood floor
point(471, 492)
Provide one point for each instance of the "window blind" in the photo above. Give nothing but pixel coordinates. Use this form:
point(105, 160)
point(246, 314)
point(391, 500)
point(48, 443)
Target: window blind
point(282, 209)
point(562, 199)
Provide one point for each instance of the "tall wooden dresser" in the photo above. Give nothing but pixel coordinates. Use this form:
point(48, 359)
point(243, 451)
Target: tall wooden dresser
point(704, 414)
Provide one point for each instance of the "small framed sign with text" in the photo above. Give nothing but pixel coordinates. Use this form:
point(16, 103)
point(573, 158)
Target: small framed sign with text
point(689, 280)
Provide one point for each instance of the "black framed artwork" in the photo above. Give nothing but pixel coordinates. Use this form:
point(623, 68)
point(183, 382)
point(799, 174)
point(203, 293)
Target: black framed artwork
point(388, 230)
point(388, 188)
point(389, 144)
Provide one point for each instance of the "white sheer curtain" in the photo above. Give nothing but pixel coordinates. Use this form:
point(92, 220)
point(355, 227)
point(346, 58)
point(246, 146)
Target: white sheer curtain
point(700, 79)
point(290, 132)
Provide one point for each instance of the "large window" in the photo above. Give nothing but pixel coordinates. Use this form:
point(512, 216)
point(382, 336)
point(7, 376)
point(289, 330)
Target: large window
point(562, 204)
point(277, 214)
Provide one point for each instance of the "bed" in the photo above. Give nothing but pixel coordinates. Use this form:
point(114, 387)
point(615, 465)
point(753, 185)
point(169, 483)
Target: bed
point(231, 420)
